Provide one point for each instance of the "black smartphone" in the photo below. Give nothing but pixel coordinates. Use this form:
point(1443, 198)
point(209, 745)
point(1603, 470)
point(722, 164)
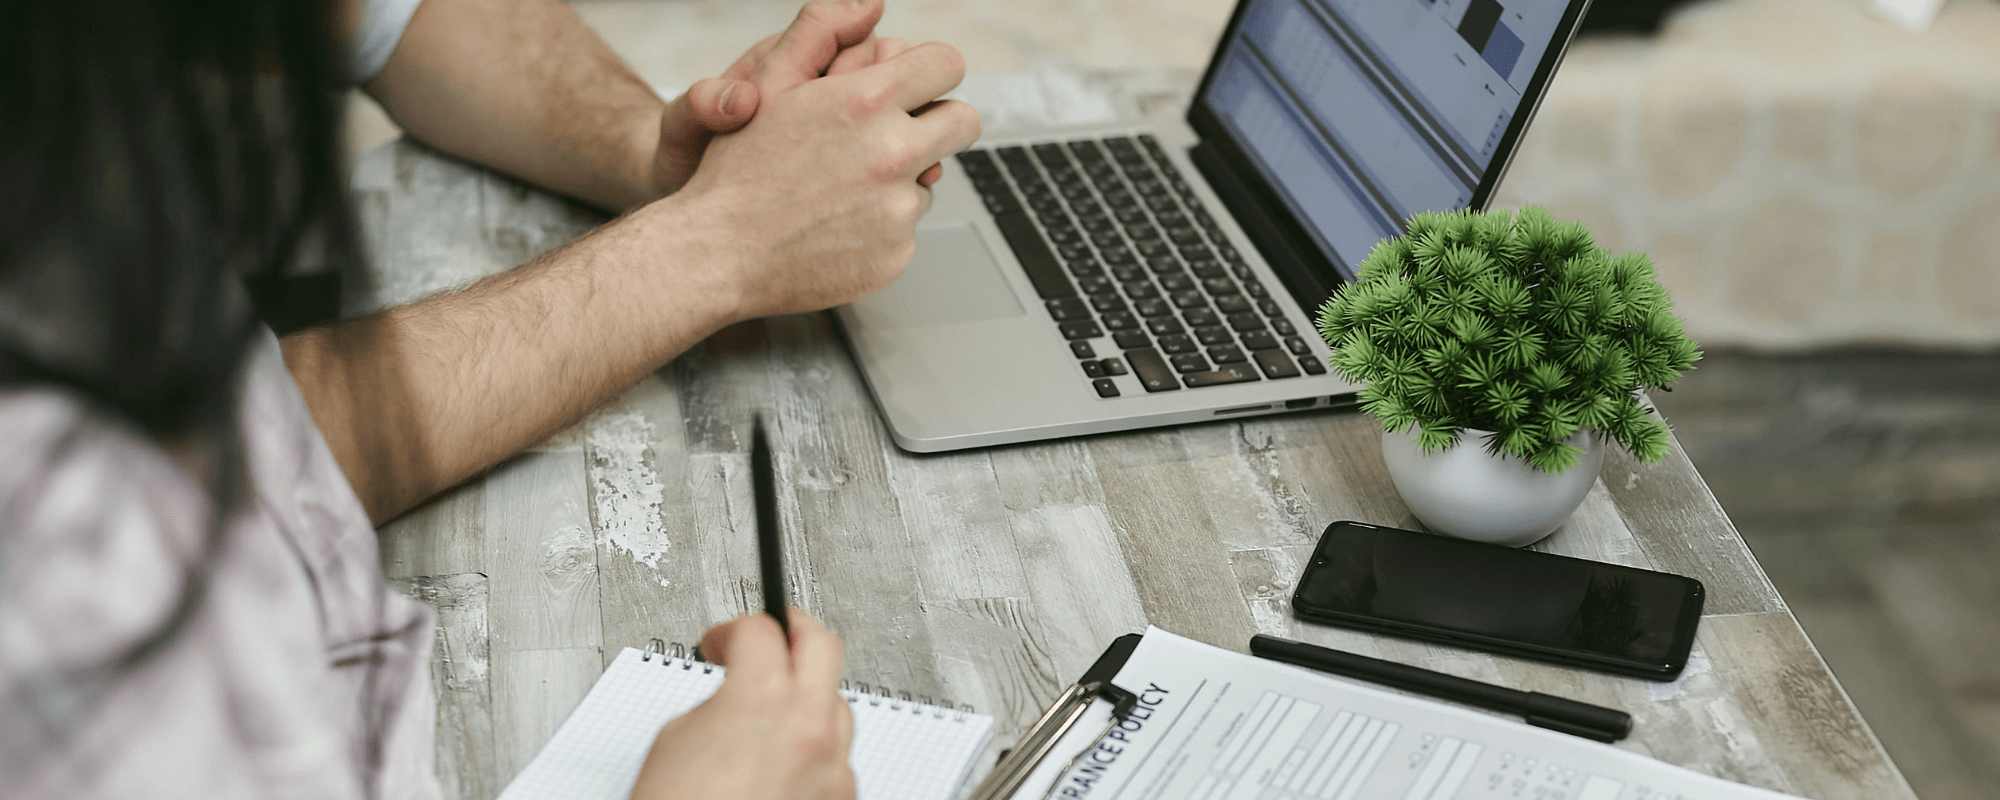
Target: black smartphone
point(1523, 603)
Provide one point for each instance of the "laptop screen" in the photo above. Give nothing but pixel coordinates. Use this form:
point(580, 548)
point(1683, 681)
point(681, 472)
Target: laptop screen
point(1359, 113)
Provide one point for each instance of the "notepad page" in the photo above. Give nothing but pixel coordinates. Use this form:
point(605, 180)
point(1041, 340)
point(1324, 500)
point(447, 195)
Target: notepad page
point(902, 750)
point(598, 749)
point(905, 750)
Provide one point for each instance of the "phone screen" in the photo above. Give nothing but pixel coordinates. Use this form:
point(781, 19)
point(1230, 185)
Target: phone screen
point(1521, 602)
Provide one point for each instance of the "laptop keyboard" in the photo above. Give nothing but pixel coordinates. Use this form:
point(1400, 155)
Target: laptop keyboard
point(1120, 249)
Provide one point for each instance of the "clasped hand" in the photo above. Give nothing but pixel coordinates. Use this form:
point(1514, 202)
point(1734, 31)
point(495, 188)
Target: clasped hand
point(828, 38)
point(820, 188)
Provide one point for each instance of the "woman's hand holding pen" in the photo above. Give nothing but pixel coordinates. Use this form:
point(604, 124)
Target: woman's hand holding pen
point(777, 728)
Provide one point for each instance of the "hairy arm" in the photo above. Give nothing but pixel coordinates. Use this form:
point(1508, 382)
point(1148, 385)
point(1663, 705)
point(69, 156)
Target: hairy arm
point(525, 87)
point(417, 398)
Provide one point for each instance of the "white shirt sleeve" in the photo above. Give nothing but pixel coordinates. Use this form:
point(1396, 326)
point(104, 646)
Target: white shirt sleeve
point(382, 24)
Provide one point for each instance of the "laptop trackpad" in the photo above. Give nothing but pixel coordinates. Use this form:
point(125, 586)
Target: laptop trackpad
point(953, 278)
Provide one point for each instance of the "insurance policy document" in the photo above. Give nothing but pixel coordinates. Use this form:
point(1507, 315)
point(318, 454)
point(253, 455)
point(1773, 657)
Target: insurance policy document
point(1218, 725)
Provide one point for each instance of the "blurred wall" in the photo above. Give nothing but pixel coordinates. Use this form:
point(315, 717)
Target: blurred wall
point(1803, 172)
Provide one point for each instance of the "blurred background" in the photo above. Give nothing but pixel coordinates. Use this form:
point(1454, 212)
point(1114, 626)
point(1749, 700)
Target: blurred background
point(1820, 188)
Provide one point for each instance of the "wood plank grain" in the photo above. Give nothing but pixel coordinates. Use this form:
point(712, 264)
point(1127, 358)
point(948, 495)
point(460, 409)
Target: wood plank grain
point(992, 658)
point(1328, 463)
point(702, 571)
point(1081, 590)
point(541, 559)
point(533, 690)
point(957, 524)
point(649, 561)
point(370, 195)
point(1266, 577)
point(852, 552)
point(1763, 710)
point(434, 223)
point(1683, 530)
point(1180, 569)
point(431, 236)
point(461, 681)
point(1917, 724)
point(722, 519)
point(1248, 495)
point(722, 383)
point(444, 536)
point(1596, 531)
point(518, 223)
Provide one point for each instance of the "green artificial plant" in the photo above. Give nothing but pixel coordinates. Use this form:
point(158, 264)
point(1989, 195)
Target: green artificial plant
point(1519, 325)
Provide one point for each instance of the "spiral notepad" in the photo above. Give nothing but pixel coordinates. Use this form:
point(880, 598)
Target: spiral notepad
point(903, 749)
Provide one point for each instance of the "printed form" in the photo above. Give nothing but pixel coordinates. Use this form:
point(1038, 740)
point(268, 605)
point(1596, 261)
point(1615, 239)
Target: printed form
point(1212, 724)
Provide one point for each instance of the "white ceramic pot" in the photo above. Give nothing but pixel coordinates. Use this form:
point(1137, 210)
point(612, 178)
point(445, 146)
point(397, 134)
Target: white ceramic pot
point(1469, 493)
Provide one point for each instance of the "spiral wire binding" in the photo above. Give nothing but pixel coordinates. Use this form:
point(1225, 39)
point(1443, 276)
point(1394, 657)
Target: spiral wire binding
point(855, 692)
point(675, 653)
point(858, 692)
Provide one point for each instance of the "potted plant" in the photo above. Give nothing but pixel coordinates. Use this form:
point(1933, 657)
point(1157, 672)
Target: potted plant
point(1499, 351)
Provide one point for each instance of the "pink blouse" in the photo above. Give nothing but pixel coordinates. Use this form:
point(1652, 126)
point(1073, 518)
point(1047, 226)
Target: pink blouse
point(300, 674)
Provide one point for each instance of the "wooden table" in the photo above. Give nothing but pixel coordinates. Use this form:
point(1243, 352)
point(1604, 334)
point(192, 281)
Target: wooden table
point(990, 577)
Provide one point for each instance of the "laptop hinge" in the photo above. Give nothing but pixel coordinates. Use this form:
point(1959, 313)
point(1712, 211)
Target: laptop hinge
point(1262, 224)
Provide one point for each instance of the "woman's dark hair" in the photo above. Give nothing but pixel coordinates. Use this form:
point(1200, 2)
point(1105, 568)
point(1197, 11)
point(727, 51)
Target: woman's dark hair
point(157, 159)
point(156, 155)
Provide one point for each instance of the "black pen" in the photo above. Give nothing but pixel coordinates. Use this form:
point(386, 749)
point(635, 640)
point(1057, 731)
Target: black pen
point(770, 544)
point(1541, 710)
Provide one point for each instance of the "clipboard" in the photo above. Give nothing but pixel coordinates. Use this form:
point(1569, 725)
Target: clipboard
point(1264, 727)
point(1017, 763)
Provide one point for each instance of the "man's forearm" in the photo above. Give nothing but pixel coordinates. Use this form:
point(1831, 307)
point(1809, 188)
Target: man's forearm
point(812, 204)
point(415, 399)
point(524, 86)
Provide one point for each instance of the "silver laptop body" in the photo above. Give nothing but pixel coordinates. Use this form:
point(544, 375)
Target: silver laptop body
point(978, 344)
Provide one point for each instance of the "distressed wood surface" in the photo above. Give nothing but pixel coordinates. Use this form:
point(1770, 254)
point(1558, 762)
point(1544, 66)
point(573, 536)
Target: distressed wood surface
point(990, 577)
point(461, 680)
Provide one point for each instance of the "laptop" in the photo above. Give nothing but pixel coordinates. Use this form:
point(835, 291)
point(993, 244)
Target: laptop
point(1088, 280)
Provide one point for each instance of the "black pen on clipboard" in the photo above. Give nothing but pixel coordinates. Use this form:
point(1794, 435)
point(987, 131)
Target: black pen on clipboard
point(770, 538)
point(1541, 710)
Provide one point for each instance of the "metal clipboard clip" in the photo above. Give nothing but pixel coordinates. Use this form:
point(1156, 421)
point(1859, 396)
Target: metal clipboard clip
point(1019, 762)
